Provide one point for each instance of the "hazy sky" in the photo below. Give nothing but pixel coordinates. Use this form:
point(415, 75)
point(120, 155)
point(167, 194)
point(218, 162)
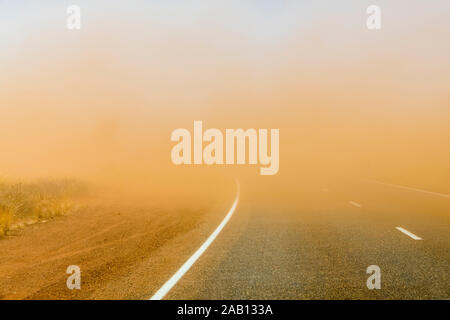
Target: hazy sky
point(138, 69)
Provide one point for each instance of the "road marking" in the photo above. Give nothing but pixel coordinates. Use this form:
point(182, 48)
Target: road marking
point(415, 189)
point(356, 204)
point(188, 264)
point(410, 234)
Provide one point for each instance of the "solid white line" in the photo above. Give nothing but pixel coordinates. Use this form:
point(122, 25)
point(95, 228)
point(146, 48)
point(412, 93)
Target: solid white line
point(410, 234)
point(188, 264)
point(415, 189)
point(356, 204)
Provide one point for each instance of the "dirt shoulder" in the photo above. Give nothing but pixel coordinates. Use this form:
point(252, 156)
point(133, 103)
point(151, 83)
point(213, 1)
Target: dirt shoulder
point(124, 251)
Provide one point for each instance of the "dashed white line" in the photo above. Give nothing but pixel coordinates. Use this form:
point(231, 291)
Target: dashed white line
point(356, 204)
point(410, 234)
point(188, 264)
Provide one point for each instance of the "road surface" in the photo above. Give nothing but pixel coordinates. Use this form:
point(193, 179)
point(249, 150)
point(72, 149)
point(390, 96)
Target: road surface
point(317, 245)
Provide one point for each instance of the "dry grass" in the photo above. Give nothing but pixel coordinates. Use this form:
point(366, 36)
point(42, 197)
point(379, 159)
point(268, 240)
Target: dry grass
point(27, 203)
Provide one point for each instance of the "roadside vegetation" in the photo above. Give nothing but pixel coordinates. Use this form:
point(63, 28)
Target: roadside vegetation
point(22, 204)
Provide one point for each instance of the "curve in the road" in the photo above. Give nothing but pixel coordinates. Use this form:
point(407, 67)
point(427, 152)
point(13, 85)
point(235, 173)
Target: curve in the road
point(197, 254)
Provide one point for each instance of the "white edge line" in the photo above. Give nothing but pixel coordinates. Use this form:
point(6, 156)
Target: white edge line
point(188, 264)
point(356, 204)
point(410, 234)
point(414, 189)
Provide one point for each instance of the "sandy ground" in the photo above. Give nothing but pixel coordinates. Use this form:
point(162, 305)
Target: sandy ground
point(116, 247)
point(312, 244)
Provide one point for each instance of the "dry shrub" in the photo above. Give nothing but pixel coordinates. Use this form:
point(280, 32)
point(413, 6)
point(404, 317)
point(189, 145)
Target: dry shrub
point(35, 201)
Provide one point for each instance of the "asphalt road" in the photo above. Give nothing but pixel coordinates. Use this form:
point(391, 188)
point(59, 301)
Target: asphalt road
point(322, 248)
point(305, 241)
